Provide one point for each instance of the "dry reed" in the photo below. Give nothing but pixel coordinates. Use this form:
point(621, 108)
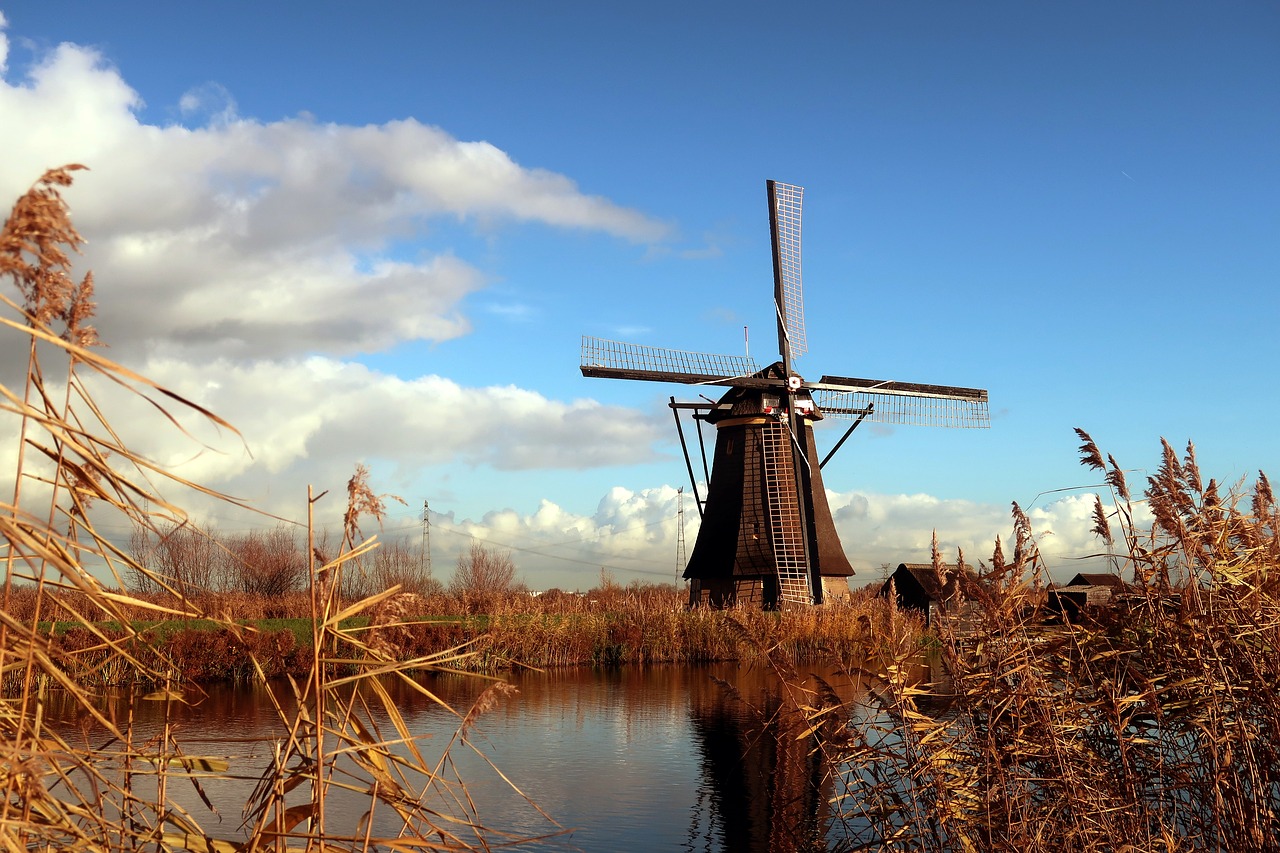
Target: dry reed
point(74, 480)
point(1150, 724)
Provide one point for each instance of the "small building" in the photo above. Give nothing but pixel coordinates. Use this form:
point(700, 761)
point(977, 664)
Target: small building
point(918, 587)
point(1083, 592)
point(1098, 579)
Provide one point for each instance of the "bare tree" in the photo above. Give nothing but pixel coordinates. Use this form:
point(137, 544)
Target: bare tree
point(391, 563)
point(141, 551)
point(483, 574)
point(397, 563)
point(182, 557)
point(264, 562)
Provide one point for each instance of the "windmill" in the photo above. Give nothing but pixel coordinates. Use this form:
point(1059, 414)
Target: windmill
point(767, 534)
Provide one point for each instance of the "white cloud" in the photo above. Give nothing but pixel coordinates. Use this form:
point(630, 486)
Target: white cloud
point(515, 312)
point(247, 264)
point(893, 529)
point(255, 239)
point(309, 421)
point(633, 535)
point(208, 104)
point(632, 331)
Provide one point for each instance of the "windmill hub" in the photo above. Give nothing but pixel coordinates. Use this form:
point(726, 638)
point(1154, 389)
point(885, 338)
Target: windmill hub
point(794, 383)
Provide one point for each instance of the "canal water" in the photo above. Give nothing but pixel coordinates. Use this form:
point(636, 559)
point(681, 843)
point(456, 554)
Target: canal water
point(661, 758)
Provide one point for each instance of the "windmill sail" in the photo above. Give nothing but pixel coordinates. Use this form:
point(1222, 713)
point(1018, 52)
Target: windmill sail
point(786, 201)
point(617, 360)
point(902, 402)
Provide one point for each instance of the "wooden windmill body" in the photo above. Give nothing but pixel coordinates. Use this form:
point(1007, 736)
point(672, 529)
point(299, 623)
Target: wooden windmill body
point(767, 537)
point(752, 547)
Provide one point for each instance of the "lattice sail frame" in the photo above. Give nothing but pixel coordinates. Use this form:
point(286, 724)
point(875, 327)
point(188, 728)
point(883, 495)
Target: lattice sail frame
point(911, 410)
point(789, 200)
point(599, 352)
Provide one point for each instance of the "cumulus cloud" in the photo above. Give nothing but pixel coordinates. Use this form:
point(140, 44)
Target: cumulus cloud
point(210, 103)
point(248, 265)
point(309, 421)
point(879, 530)
point(633, 535)
point(270, 239)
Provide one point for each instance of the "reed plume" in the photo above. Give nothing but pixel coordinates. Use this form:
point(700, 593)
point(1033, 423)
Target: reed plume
point(81, 797)
point(1151, 723)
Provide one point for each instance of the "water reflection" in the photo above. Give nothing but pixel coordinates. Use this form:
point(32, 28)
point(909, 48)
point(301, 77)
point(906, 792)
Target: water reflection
point(636, 759)
point(764, 785)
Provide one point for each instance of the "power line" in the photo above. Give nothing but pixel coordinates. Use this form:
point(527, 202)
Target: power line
point(426, 541)
point(388, 533)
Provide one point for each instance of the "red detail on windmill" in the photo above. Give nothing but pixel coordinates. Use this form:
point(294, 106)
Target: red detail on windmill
point(793, 383)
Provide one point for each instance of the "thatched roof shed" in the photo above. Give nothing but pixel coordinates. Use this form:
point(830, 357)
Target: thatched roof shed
point(1086, 590)
point(918, 586)
point(1097, 579)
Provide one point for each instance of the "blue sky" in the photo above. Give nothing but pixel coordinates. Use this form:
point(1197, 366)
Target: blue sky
point(377, 235)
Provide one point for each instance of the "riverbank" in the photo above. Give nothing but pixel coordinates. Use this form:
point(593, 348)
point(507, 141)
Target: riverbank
point(626, 628)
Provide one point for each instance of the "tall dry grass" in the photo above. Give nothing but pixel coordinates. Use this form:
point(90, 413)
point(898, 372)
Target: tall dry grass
point(637, 625)
point(74, 480)
point(660, 629)
point(1149, 725)
point(624, 626)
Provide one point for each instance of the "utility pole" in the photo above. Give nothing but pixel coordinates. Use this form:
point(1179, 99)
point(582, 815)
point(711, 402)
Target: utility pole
point(425, 557)
point(681, 559)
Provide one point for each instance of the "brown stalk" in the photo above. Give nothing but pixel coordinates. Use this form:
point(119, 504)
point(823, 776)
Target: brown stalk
point(88, 463)
point(1150, 724)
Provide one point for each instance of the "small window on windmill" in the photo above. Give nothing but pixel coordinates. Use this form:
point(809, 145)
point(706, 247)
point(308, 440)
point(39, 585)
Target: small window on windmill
point(770, 403)
point(805, 407)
